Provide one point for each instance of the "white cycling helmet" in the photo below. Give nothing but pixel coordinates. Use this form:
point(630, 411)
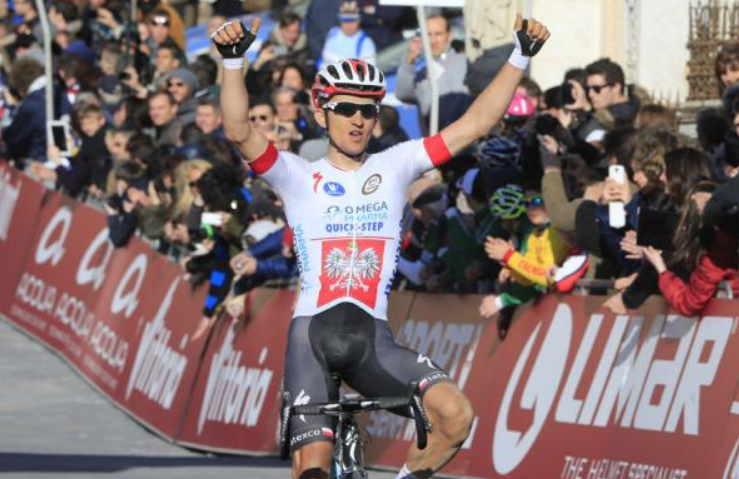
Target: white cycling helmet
point(350, 77)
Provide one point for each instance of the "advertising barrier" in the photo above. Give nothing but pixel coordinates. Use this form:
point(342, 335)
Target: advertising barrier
point(235, 404)
point(572, 393)
point(20, 200)
point(115, 314)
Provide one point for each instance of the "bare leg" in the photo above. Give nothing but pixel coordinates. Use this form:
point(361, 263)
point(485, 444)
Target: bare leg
point(313, 461)
point(451, 416)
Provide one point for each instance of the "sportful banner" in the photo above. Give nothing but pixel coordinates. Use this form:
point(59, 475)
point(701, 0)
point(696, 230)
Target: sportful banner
point(20, 200)
point(572, 393)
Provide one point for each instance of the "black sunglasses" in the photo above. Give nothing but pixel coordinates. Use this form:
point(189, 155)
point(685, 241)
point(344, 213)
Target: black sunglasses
point(258, 117)
point(597, 88)
point(368, 110)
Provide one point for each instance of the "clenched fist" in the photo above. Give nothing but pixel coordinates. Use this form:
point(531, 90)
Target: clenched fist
point(232, 39)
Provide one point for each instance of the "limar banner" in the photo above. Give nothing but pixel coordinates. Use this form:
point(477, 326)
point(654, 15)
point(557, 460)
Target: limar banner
point(574, 392)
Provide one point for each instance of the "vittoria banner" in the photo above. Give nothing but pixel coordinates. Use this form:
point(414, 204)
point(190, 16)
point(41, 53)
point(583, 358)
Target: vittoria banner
point(235, 405)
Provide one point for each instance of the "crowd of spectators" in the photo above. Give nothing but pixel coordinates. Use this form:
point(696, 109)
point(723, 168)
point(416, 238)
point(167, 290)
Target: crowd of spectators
point(529, 209)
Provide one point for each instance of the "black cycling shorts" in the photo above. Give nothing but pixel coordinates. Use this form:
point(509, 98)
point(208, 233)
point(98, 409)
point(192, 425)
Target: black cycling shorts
point(347, 341)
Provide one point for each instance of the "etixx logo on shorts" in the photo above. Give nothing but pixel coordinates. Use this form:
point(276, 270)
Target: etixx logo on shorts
point(371, 184)
point(333, 188)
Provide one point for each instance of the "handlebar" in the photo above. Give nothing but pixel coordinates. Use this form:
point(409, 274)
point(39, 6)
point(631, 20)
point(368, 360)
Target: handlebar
point(352, 406)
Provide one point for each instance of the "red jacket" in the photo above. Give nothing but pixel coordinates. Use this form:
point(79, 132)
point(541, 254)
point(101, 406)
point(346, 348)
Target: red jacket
point(689, 299)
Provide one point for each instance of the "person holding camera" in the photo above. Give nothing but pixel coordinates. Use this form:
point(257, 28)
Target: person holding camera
point(450, 68)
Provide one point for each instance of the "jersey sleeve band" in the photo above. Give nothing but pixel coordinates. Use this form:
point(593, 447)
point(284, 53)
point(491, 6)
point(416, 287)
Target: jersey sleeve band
point(262, 164)
point(437, 150)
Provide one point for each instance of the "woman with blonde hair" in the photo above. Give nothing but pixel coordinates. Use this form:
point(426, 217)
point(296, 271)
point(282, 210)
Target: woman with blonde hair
point(186, 174)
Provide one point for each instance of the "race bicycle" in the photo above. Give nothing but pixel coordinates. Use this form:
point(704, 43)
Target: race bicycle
point(348, 457)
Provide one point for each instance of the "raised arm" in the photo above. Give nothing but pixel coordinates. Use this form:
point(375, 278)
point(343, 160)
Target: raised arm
point(489, 107)
point(232, 41)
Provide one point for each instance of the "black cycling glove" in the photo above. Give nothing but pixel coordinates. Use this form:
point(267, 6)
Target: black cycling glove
point(238, 49)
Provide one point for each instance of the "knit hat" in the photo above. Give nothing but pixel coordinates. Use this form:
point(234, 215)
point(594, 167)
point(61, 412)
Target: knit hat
point(188, 77)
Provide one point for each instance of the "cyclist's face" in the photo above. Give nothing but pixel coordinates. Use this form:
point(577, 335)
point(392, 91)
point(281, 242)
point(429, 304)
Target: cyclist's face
point(351, 134)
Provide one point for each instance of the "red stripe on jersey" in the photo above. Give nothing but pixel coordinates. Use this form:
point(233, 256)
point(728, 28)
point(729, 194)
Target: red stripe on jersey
point(262, 164)
point(437, 150)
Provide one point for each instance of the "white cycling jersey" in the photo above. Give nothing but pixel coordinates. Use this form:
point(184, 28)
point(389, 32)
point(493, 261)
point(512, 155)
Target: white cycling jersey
point(347, 223)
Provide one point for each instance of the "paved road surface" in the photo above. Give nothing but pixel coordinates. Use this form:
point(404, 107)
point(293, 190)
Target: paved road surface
point(54, 425)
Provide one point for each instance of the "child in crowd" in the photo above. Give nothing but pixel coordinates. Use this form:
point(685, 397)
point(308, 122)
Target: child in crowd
point(527, 267)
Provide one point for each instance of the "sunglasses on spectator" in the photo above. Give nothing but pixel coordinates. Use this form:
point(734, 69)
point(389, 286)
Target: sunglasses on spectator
point(535, 202)
point(368, 110)
point(597, 88)
point(258, 117)
point(164, 21)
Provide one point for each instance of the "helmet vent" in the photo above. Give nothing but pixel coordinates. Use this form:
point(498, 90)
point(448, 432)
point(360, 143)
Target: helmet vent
point(333, 72)
point(347, 70)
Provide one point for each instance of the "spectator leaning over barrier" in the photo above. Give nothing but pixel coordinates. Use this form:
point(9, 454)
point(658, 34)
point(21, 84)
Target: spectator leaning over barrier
point(450, 68)
point(131, 184)
point(684, 168)
point(527, 269)
point(73, 174)
point(705, 254)
point(593, 229)
point(102, 181)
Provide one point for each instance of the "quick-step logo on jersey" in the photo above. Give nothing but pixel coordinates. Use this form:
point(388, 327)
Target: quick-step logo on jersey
point(351, 267)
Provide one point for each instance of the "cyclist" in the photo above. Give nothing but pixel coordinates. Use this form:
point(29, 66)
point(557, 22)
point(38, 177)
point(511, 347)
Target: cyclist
point(345, 211)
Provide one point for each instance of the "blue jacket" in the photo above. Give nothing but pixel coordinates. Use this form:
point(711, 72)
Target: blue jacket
point(270, 245)
point(25, 137)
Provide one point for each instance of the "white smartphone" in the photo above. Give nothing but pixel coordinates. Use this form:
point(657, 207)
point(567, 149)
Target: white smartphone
point(212, 219)
point(616, 210)
point(59, 133)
